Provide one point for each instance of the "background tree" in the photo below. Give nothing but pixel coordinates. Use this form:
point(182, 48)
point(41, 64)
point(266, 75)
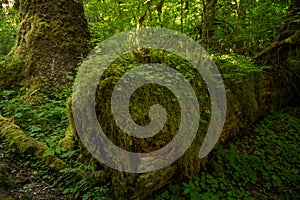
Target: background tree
point(285, 50)
point(208, 20)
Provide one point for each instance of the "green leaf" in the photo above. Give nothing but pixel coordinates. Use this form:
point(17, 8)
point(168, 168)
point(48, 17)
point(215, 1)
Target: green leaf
point(69, 154)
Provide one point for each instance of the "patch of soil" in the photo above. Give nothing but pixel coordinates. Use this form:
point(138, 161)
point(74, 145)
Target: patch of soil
point(19, 182)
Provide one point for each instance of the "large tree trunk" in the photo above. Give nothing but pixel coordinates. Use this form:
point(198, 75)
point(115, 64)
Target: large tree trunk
point(51, 38)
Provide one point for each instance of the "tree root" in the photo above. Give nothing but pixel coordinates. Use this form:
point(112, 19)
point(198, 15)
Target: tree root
point(26, 145)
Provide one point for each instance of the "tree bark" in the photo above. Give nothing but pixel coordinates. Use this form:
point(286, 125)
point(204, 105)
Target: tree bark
point(51, 38)
point(208, 20)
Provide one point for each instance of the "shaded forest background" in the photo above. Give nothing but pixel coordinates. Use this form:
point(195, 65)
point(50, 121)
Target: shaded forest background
point(256, 46)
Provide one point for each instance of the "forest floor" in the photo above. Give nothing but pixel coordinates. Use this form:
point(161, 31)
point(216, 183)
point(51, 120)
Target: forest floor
point(22, 182)
point(263, 164)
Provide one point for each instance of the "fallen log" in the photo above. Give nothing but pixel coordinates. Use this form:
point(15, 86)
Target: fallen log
point(252, 93)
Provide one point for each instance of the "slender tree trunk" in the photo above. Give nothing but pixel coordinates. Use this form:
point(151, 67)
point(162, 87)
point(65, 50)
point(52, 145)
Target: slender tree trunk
point(208, 19)
point(51, 38)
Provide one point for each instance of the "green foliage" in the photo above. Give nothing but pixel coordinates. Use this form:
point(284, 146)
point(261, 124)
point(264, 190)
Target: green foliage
point(111, 17)
point(261, 165)
point(237, 68)
point(69, 181)
point(46, 122)
point(239, 26)
point(246, 27)
point(8, 26)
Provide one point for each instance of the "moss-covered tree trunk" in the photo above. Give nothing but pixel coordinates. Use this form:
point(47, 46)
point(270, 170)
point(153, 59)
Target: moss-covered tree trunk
point(252, 93)
point(51, 38)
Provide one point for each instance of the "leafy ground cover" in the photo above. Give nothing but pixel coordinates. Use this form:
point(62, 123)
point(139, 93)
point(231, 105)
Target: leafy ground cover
point(264, 163)
point(20, 179)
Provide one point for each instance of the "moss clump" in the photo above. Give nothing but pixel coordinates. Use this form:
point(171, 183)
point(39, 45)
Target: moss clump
point(11, 72)
point(68, 142)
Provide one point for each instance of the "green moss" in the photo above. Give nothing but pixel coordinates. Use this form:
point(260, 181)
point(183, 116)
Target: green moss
point(140, 104)
point(11, 72)
point(68, 142)
point(26, 145)
point(50, 40)
point(253, 93)
point(71, 138)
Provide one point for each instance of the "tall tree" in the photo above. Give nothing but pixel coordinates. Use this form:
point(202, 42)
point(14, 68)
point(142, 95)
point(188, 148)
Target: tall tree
point(52, 36)
point(208, 19)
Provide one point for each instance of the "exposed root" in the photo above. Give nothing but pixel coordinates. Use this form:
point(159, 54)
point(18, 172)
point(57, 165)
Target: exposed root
point(27, 145)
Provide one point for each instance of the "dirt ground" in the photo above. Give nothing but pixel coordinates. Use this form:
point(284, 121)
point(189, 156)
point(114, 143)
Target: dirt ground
point(18, 182)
